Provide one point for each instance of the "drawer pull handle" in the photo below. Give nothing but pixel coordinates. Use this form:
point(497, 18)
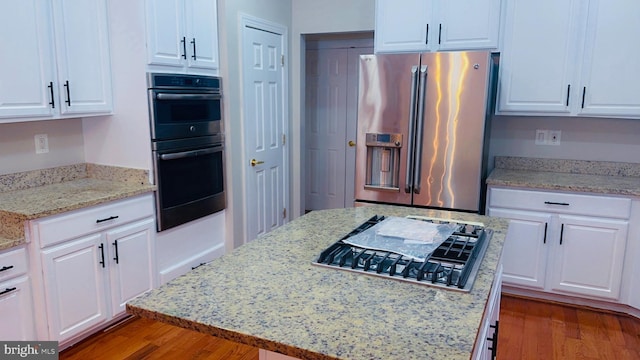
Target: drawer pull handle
point(556, 203)
point(4, 268)
point(107, 219)
point(117, 258)
point(8, 290)
point(101, 247)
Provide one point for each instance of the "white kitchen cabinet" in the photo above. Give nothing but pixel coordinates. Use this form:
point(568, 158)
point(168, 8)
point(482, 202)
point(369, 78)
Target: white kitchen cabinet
point(563, 243)
point(487, 342)
point(55, 61)
point(131, 262)
point(436, 25)
point(570, 58)
point(527, 235)
point(91, 262)
point(16, 305)
point(610, 79)
point(74, 283)
point(182, 36)
point(589, 257)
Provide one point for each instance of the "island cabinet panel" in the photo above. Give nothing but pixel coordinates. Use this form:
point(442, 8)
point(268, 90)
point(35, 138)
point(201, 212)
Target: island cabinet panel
point(56, 60)
point(16, 304)
point(182, 36)
point(85, 280)
point(570, 58)
point(581, 253)
point(433, 25)
point(486, 346)
point(270, 355)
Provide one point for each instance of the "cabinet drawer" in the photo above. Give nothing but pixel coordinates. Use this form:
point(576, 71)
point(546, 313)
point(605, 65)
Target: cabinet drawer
point(590, 205)
point(13, 263)
point(63, 227)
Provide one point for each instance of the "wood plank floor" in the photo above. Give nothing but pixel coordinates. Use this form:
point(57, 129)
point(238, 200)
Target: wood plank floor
point(528, 330)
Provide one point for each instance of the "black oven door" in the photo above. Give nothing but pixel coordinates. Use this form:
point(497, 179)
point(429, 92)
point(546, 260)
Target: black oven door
point(190, 182)
point(179, 114)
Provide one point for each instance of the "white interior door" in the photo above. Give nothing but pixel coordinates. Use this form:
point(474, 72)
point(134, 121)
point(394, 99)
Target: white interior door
point(331, 113)
point(264, 130)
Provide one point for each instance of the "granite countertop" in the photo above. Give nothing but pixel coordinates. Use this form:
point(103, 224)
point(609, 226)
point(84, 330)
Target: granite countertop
point(567, 175)
point(35, 194)
point(268, 294)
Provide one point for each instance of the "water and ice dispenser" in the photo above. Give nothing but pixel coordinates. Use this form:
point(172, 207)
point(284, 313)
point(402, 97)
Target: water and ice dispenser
point(383, 161)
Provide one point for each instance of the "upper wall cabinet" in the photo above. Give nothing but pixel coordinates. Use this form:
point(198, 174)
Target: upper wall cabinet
point(436, 25)
point(55, 59)
point(570, 57)
point(182, 36)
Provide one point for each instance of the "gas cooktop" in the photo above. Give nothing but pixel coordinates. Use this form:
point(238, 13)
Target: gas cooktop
point(452, 265)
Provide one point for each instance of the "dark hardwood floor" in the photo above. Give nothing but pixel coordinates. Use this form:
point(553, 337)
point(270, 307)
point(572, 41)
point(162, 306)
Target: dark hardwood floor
point(528, 330)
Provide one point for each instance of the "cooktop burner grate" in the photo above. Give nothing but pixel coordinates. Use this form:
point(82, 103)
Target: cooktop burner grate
point(453, 264)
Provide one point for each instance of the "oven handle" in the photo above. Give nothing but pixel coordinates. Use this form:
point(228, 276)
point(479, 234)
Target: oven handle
point(191, 153)
point(166, 96)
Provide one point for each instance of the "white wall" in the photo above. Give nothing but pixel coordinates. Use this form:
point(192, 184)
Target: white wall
point(17, 145)
point(123, 139)
point(581, 138)
point(316, 17)
point(229, 28)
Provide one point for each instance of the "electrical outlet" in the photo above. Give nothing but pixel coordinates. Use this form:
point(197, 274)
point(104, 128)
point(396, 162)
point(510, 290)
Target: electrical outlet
point(42, 143)
point(542, 137)
point(554, 137)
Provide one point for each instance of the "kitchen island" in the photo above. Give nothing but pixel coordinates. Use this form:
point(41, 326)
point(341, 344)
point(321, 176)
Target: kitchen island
point(268, 294)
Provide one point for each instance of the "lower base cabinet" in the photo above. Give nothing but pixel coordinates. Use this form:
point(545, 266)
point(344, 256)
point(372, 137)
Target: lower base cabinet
point(16, 304)
point(571, 244)
point(87, 279)
point(16, 310)
point(487, 342)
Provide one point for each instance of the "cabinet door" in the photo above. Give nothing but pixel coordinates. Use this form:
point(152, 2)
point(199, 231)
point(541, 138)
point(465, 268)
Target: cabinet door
point(82, 53)
point(202, 27)
point(403, 26)
point(524, 255)
point(611, 76)
point(538, 57)
point(166, 41)
point(27, 66)
point(467, 24)
point(16, 311)
point(74, 282)
point(130, 257)
point(589, 256)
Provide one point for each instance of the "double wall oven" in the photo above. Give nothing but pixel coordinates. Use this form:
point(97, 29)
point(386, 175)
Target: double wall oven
point(187, 144)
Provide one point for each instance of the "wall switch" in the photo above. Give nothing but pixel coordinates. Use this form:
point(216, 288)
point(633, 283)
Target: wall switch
point(554, 137)
point(42, 143)
point(542, 137)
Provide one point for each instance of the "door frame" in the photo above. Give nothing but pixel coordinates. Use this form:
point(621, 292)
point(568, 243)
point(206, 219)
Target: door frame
point(249, 21)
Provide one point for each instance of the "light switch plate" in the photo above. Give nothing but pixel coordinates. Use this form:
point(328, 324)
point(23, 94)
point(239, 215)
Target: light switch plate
point(42, 143)
point(542, 137)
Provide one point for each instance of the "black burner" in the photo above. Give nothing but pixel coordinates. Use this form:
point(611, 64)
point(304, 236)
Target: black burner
point(450, 265)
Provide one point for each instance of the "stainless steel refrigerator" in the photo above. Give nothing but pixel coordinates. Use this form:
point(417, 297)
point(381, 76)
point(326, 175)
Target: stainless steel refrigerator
point(423, 123)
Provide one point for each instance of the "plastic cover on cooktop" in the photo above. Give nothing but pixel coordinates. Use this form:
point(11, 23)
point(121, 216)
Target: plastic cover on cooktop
point(412, 238)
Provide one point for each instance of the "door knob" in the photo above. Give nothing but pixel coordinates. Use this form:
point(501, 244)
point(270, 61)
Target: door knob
point(352, 143)
point(255, 162)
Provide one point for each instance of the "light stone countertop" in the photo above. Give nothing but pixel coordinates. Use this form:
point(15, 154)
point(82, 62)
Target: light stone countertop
point(41, 193)
point(268, 294)
point(567, 175)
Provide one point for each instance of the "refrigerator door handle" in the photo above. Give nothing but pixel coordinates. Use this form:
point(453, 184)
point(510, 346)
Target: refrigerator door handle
point(417, 171)
point(412, 119)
